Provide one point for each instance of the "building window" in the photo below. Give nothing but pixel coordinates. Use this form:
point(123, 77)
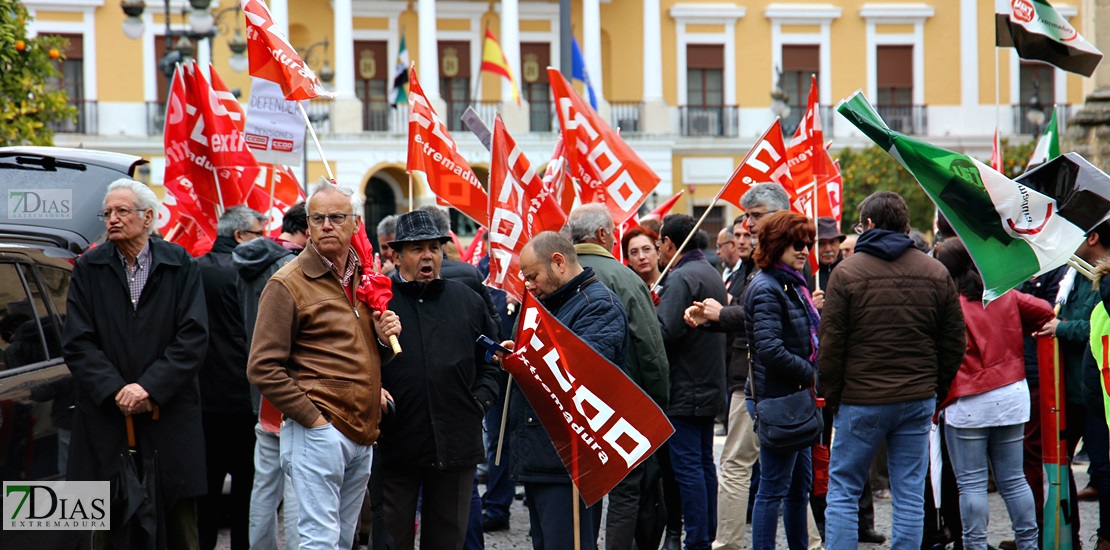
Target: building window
point(454, 81)
point(72, 80)
point(536, 57)
point(705, 112)
point(1037, 95)
point(894, 87)
point(798, 63)
point(372, 74)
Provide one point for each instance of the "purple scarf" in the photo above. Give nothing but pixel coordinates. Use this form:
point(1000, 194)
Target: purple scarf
point(811, 309)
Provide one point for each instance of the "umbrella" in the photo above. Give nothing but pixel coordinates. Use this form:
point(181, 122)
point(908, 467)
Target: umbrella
point(134, 496)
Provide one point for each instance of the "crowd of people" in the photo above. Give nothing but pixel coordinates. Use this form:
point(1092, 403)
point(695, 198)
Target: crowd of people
point(816, 350)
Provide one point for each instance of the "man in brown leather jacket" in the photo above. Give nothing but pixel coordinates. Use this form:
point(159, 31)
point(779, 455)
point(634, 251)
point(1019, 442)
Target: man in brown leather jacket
point(316, 355)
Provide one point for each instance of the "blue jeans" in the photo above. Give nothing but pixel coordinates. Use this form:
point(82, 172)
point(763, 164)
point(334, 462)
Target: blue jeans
point(330, 473)
point(691, 449)
point(270, 488)
point(969, 450)
point(859, 430)
point(785, 481)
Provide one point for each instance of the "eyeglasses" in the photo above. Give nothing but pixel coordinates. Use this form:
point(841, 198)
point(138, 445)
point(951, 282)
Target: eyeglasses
point(859, 228)
point(799, 245)
point(335, 219)
point(724, 244)
point(255, 233)
point(119, 212)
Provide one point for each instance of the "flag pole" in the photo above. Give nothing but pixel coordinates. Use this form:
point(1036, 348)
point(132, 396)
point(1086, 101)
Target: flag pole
point(817, 227)
point(504, 421)
point(316, 140)
point(273, 185)
point(219, 192)
point(708, 208)
point(168, 237)
point(481, 56)
point(410, 192)
point(577, 517)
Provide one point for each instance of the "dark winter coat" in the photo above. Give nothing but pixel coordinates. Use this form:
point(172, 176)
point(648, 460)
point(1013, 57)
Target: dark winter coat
point(778, 326)
point(454, 270)
point(696, 356)
point(256, 261)
point(731, 321)
point(223, 376)
point(442, 384)
point(891, 327)
point(594, 314)
point(647, 359)
point(108, 344)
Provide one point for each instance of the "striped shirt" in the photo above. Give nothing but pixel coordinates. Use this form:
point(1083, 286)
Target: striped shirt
point(137, 276)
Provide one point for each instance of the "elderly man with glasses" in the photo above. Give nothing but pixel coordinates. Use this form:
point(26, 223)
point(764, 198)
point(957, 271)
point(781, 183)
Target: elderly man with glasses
point(135, 335)
point(316, 355)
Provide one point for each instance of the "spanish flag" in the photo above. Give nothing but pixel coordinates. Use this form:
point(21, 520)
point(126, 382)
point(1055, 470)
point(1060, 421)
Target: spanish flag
point(493, 60)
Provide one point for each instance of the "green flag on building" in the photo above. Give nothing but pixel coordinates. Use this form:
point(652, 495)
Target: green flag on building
point(1011, 231)
point(1048, 147)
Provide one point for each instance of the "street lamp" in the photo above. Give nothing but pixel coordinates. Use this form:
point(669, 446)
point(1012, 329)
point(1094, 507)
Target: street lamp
point(779, 98)
point(326, 73)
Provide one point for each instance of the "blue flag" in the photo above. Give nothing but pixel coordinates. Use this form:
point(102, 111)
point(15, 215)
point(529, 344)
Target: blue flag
point(578, 70)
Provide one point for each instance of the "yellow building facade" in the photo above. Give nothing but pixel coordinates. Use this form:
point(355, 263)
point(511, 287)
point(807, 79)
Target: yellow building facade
point(690, 84)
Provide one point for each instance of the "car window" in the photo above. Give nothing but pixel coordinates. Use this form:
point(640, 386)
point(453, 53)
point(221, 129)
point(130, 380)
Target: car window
point(20, 335)
point(55, 283)
point(51, 333)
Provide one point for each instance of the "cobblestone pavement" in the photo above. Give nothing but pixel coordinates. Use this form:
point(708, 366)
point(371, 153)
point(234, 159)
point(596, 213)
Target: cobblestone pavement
point(516, 537)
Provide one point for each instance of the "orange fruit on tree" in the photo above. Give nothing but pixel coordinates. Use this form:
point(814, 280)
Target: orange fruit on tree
point(20, 45)
point(54, 53)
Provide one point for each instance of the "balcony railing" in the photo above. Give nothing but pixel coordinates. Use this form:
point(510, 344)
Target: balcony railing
point(84, 122)
point(625, 116)
point(720, 121)
point(155, 118)
point(541, 116)
point(907, 119)
point(790, 122)
point(453, 116)
point(1022, 125)
point(377, 116)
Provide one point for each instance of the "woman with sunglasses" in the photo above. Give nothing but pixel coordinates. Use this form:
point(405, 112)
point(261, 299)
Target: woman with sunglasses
point(781, 323)
point(988, 402)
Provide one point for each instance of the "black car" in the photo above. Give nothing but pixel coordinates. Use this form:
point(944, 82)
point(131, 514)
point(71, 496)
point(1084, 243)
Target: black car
point(51, 197)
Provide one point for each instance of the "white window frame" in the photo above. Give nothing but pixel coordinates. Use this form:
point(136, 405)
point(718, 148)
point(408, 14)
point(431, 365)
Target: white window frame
point(897, 14)
point(707, 14)
point(86, 28)
point(804, 14)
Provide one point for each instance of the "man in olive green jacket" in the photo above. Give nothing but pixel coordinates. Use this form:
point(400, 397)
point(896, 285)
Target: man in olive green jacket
point(591, 229)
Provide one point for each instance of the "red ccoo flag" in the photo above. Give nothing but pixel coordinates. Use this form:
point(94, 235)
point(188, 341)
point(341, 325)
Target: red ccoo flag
point(766, 162)
point(996, 153)
point(600, 422)
point(607, 169)
point(557, 181)
point(806, 153)
point(434, 156)
point(272, 58)
point(519, 208)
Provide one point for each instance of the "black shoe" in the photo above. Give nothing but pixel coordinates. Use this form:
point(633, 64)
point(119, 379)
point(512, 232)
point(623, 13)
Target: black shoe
point(872, 536)
point(1007, 545)
point(490, 525)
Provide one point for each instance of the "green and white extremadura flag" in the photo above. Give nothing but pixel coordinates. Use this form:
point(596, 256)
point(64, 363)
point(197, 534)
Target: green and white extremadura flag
point(1048, 147)
point(1011, 231)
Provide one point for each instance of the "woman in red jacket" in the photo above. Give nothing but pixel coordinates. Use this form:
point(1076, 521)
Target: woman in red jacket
point(988, 403)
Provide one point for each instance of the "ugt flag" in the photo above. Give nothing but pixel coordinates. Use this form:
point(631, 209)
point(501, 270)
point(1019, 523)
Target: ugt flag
point(1037, 31)
point(600, 422)
point(1011, 231)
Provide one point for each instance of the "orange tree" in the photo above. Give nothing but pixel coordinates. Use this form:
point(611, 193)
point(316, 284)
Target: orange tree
point(869, 170)
point(29, 68)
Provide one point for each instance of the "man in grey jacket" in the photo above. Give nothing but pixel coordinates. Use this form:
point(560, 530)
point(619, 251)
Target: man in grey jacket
point(591, 229)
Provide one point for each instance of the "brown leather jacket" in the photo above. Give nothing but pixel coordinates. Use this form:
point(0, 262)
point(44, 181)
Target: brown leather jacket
point(891, 330)
point(315, 351)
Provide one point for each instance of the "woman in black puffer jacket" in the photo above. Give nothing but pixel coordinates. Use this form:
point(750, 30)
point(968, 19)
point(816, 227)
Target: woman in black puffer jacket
point(781, 323)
